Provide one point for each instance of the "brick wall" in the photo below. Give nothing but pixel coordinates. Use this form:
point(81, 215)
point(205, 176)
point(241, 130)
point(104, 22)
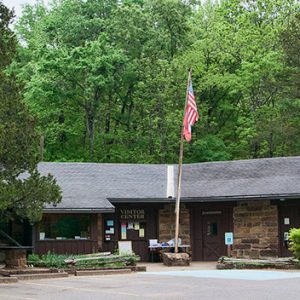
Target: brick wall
point(167, 224)
point(255, 229)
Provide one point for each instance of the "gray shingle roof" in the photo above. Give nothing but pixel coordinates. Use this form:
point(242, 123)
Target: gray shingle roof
point(269, 176)
point(90, 186)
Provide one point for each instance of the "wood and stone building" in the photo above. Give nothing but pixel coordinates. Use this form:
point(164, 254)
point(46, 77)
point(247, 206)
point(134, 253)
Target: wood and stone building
point(258, 200)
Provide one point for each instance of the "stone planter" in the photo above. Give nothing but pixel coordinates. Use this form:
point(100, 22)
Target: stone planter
point(176, 259)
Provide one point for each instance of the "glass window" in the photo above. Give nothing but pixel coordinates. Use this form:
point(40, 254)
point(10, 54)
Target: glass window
point(212, 228)
point(65, 227)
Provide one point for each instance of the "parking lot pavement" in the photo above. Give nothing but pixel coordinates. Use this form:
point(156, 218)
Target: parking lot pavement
point(230, 274)
point(163, 285)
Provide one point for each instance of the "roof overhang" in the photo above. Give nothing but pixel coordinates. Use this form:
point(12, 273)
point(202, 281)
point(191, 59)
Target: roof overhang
point(207, 199)
point(141, 200)
point(241, 198)
point(79, 210)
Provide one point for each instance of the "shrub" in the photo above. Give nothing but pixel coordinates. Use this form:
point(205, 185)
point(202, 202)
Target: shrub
point(51, 260)
point(294, 238)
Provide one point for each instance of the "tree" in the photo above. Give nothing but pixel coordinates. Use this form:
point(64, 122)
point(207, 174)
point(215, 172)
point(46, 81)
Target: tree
point(23, 191)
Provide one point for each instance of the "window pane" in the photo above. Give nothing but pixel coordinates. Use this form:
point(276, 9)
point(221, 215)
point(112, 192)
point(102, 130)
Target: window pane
point(65, 227)
point(212, 228)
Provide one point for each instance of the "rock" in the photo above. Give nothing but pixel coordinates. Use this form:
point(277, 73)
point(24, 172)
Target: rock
point(176, 259)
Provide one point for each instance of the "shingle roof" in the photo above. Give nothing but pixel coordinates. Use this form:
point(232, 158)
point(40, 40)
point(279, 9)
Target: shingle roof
point(91, 186)
point(255, 177)
point(88, 185)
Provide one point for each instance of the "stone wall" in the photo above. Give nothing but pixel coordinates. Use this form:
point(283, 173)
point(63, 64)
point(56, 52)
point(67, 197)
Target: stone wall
point(167, 224)
point(255, 229)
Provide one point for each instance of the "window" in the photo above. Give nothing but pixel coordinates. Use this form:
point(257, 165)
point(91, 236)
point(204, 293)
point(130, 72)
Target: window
point(212, 228)
point(65, 227)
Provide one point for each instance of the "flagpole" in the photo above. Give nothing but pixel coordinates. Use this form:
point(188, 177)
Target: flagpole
point(177, 207)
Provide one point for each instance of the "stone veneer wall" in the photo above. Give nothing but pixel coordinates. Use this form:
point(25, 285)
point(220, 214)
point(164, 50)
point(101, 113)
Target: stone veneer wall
point(167, 224)
point(255, 229)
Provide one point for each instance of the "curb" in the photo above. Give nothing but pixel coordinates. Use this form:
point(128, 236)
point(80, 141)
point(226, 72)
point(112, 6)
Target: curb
point(102, 272)
point(40, 276)
point(8, 280)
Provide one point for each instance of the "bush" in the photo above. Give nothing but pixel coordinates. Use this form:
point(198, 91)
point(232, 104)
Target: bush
point(51, 260)
point(294, 239)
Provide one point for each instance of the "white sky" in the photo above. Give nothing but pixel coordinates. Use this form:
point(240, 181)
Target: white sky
point(17, 5)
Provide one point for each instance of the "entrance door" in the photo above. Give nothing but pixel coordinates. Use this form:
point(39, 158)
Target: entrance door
point(213, 237)
point(289, 217)
point(209, 222)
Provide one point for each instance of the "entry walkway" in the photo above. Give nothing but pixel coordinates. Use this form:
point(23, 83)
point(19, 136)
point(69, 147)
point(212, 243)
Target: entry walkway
point(208, 270)
point(195, 265)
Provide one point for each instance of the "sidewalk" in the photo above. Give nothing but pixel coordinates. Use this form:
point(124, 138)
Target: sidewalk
point(195, 265)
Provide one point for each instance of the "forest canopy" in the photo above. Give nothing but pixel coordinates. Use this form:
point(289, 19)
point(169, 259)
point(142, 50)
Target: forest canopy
point(106, 79)
point(23, 191)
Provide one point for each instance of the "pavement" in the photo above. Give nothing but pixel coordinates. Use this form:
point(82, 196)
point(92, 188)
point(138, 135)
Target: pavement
point(195, 265)
point(201, 280)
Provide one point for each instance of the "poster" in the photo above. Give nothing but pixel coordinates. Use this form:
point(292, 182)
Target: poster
point(142, 232)
point(123, 231)
point(130, 225)
point(136, 226)
point(110, 223)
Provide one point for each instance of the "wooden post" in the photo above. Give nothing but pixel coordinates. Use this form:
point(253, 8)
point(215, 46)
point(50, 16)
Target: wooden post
point(229, 250)
point(177, 207)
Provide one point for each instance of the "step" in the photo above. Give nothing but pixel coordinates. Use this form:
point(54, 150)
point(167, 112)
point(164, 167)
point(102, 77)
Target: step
point(8, 280)
point(26, 271)
point(102, 272)
point(40, 276)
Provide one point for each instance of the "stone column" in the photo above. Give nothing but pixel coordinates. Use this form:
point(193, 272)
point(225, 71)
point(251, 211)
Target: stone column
point(166, 219)
point(15, 258)
point(255, 229)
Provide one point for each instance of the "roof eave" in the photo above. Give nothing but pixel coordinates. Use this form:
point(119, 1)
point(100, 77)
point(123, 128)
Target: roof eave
point(79, 210)
point(241, 198)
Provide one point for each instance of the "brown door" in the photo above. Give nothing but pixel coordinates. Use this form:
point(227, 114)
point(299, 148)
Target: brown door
point(213, 237)
point(289, 217)
point(209, 222)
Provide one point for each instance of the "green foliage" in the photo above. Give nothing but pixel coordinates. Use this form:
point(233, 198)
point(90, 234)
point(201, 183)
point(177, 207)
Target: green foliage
point(107, 78)
point(51, 260)
point(294, 239)
point(23, 192)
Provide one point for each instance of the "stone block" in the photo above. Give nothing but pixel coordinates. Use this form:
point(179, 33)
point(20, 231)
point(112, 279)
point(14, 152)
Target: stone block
point(250, 241)
point(176, 259)
point(269, 253)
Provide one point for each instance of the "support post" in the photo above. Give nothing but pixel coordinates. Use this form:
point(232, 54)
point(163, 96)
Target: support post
point(177, 206)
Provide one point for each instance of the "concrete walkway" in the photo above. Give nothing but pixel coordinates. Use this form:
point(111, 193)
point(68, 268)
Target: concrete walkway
point(208, 270)
point(195, 265)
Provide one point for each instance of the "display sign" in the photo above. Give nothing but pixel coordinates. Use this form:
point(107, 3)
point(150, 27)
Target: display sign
point(109, 230)
point(228, 238)
point(132, 214)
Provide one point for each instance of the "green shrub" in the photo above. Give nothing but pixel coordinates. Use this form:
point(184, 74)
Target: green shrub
point(51, 260)
point(294, 238)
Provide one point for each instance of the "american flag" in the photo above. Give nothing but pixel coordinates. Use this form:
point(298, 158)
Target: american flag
point(190, 114)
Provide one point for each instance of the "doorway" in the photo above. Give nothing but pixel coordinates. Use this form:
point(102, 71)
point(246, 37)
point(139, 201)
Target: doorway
point(209, 222)
point(213, 245)
point(289, 217)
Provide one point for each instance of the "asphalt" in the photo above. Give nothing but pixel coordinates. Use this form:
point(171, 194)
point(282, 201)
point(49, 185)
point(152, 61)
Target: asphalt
point(201, 280)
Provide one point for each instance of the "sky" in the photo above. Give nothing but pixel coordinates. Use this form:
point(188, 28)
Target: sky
point(17, 4)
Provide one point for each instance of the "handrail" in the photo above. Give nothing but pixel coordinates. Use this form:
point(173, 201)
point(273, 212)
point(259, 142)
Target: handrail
point(10, 238)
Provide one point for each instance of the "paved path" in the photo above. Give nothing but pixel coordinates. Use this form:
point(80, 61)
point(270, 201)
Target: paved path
point(163, 283)
point(230, 274)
